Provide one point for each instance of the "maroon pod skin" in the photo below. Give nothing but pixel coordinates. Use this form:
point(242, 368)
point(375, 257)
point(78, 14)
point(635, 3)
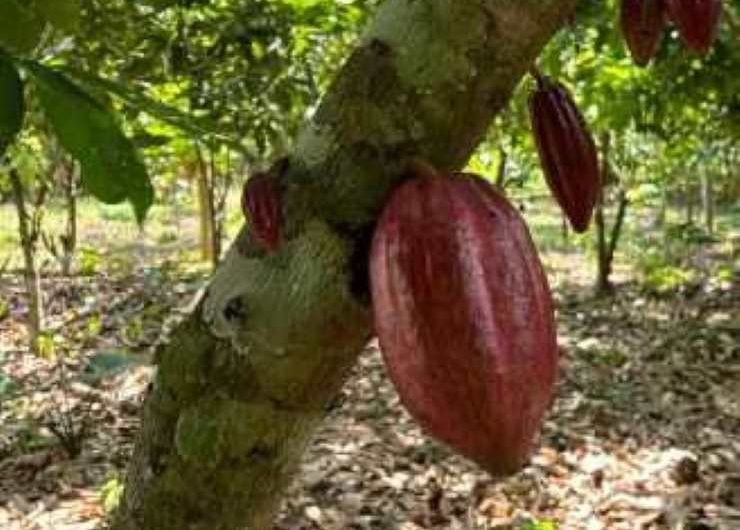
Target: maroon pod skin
point(697, 22)
point(464, 317)
point(262, 206)
point(643, 23)
point(567, 151)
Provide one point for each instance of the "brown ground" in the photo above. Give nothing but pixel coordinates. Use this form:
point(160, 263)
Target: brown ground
point(645, 433)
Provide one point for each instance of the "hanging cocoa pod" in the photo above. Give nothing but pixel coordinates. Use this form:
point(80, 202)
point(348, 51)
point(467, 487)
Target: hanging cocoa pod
point(697, 22)
point(262, 206)
point(464, 317)
point(567, 151)
point(642, 23)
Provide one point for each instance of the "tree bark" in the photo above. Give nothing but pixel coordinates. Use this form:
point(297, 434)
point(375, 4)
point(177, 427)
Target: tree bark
point(603, 286)
point(249, 375)
point(707, 201)
point(29, 235)
point(607, 242)
point(205, 207)
point(616, 233)
point(501, 170)
point(69, 238)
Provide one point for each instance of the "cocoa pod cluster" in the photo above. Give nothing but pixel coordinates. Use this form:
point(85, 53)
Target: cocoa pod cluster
point(643, 23)
point(566, 149)
point(464, 316)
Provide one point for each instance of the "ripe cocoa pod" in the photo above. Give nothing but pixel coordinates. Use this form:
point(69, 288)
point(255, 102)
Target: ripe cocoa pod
point(567, 151)
point(643, 22)
point(464, 317)
point(697, 22)
point(262, 206)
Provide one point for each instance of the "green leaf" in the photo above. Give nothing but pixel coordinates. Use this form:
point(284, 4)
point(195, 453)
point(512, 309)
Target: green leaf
point(160, 4)
point(11, 102)
point(194, 126)
point(111, 169)
point(20, 27)
point(62, 14)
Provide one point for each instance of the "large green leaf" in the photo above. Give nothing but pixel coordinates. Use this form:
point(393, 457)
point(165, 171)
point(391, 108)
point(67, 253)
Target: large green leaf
point(198, 127)
point(11, 102)
point(20, 27)
point(111, 169)
point(62, 14)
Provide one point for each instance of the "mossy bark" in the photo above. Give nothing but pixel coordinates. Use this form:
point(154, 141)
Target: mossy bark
point(249, 375)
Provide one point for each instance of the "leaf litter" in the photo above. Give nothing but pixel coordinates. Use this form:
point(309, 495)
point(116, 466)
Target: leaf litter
point(644, 434)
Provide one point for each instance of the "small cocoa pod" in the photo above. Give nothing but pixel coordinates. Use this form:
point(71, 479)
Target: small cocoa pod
point(567, 151)
point(642, 23)
point(697, 22)
point(262, 206)
point(464, 317)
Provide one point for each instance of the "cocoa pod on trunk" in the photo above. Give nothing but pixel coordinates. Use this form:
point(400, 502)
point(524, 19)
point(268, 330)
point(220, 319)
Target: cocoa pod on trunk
point(262, 206)
point(567, 151)
point(697, 22)
point(464, 317)
point(642, 23)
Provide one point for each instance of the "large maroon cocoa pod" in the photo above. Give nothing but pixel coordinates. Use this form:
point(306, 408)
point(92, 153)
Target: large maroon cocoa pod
point(464, 317)
point(262, 205)
point(567, 151)
point(697, 22)
point(643, 22)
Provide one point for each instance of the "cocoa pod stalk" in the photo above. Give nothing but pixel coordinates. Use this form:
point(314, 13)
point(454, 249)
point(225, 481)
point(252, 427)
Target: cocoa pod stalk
point(464, 317)
point(262, 206)
point(697, 22)
point(567, 151)
point(642, 23)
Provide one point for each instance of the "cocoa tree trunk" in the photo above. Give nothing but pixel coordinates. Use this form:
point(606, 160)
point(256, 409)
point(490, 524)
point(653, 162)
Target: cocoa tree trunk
point(616, 233)
point(501, 171)
point(660, 219)
point(215, 251)
point(69, 238)
point(29, 236)
point(707, 201)
point(603, 285)
point(689, 196)
point(220, 185)
point(249, 375)
point(205, 206)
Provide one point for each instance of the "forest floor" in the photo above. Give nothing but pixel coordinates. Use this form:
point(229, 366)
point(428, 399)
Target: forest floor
point(644, 434)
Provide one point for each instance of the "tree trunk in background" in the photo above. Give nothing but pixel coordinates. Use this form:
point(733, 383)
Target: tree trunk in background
point(603, 285)
point(205, 210)
point(689, 196)
point(501, 172)
point(616, 233)
point(660, 220)
point(607, 242)
point(248, 376)
point(216, 227)
point(564, 229)
point(29, 244)
point(69, 238)
point(707, 201)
